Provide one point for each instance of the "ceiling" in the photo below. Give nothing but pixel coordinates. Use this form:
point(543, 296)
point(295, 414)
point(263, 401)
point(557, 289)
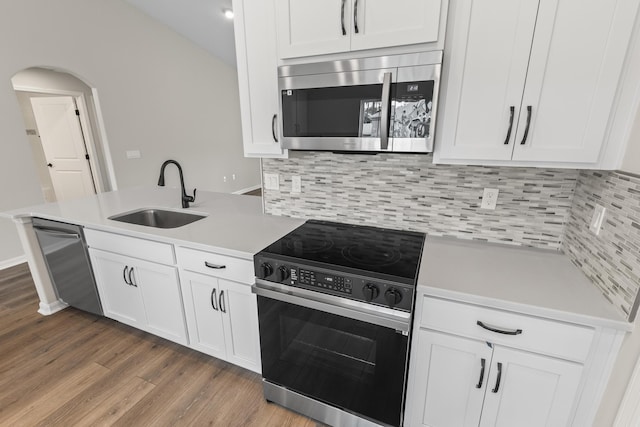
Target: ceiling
point(201, 21)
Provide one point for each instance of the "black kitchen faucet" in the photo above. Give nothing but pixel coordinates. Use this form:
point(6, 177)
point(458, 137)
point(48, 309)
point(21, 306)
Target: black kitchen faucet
point(185, 198)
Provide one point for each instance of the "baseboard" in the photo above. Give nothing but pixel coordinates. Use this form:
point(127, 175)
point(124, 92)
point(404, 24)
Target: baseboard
point(54, 307)
point(13, 262)
point(246, 190)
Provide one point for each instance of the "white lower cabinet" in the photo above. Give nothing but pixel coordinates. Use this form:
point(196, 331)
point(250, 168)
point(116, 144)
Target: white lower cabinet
point(140, 293)
point(222, 313)
point(465, 382)
point(476, 366)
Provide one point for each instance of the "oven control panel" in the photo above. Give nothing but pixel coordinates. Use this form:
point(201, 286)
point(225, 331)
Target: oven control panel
point(378, 292)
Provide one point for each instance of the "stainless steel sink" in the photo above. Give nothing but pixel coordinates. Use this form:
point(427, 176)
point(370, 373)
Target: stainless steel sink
point(157, 218)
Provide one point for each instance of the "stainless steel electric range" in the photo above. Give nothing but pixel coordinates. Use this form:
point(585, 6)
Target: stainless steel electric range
point(334, 307)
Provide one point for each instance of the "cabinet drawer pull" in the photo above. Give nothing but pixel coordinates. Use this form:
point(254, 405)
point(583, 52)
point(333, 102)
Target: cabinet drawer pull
point(355, 17)
point(497, 387)
point(482, 363)
point(506, 141)
point(131, 282)
point(497, 330)
point(221, 302)
point(124, 274)
point(526, 129)
point(216, 266)
point(213, 299)
point(344, 31)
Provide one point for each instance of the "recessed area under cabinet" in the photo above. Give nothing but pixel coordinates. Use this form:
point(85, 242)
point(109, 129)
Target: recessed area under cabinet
point(539, 87)
point(309, 27)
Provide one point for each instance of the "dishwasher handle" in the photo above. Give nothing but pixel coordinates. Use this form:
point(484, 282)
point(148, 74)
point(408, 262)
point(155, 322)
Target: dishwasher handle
point(56, 232)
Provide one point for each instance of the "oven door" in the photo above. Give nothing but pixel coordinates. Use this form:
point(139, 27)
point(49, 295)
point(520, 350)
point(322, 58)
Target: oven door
point(354, 365)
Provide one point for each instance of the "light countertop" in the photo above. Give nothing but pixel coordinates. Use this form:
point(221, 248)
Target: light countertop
point(525, 280)
point(235, 224)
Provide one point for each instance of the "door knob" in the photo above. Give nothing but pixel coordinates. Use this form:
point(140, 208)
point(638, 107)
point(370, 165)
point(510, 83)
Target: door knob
point(50, 165)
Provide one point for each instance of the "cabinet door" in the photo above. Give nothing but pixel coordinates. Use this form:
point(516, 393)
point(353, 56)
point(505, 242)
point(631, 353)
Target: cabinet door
point(121, 300)
point(534, 390)
point(484, 78)
point(383, 23)
point(240, 314)
point(256, 53)
point(204, 318)
point(573, 76)
point(311, 27)
point(444, 377)
point(160, 290)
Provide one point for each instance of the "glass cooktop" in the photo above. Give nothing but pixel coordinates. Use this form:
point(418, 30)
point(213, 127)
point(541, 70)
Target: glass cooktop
point(368, 249)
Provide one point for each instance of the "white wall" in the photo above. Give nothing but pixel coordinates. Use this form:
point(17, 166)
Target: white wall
point(159, 94)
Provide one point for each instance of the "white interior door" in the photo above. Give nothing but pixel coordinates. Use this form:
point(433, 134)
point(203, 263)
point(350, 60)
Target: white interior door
point(64, 147)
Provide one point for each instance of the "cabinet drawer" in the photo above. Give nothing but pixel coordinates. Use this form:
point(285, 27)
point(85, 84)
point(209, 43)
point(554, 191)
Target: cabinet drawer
point(212, 264)
point(149, 250)
point(558, 339)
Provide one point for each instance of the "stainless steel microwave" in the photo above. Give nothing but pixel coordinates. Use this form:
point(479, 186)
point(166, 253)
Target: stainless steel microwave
point(379, 104)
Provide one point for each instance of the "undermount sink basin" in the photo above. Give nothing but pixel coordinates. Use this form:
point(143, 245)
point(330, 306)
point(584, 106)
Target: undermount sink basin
point(157, 218)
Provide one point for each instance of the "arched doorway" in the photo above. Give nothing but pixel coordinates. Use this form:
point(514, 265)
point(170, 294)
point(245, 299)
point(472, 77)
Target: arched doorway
point(65, 132)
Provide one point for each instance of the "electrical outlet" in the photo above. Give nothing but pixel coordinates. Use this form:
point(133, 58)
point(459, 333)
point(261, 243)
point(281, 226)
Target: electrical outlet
point(271, 181)
point(224, 179)
point(133, 154)
point(489, 198)
point(296, 184)
point(233, 177)
point(597, 219)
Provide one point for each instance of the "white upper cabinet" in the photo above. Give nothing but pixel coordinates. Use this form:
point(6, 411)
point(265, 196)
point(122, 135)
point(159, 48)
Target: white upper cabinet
point(256, 53)
point(311, 27)
point(531, 82)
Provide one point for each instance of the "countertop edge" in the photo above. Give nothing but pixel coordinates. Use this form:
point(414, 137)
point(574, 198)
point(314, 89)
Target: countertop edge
point(532, 310)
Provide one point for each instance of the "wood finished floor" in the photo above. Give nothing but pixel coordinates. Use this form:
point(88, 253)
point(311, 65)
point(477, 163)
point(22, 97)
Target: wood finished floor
point(76, 369)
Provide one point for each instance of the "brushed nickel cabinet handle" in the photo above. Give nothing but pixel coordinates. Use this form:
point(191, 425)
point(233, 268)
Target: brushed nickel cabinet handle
point(221, 302)
point(213, 299)
point(273, 127)
point(482, 363)
point(498, 330)
point(506, 141)
point(526, 129)
point(214, 266)
point(344, 30)
point(355, 17)
point(497, 387)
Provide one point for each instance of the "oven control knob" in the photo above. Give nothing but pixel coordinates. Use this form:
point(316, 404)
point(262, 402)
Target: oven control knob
point(282, 273)
point(265, 270)
point(370, 291)
point(393, 296)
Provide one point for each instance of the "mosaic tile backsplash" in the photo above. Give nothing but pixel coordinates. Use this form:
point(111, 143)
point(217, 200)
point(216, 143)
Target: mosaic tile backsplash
point(612, 259)
point(406, 191)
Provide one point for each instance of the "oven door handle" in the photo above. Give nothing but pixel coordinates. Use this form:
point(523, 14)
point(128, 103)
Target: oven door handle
point(400, 322)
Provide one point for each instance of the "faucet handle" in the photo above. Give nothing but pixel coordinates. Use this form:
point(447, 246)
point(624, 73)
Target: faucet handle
point(186, 199)
point(190, 198)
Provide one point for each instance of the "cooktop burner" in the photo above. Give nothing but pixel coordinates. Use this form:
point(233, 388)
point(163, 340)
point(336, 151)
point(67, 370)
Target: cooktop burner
point(370, 249)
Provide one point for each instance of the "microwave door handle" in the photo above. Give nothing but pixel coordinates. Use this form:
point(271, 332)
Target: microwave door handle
point(386, 107)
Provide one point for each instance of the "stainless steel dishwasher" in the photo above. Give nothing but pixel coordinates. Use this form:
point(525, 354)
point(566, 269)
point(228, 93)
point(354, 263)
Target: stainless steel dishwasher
point(65, 253)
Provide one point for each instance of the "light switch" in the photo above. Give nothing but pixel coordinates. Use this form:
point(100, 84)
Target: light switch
point(271, 181)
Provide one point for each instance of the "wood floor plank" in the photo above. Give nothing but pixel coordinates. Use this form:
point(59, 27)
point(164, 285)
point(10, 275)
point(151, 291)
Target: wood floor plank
point(65, 390)
point(76, 369)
